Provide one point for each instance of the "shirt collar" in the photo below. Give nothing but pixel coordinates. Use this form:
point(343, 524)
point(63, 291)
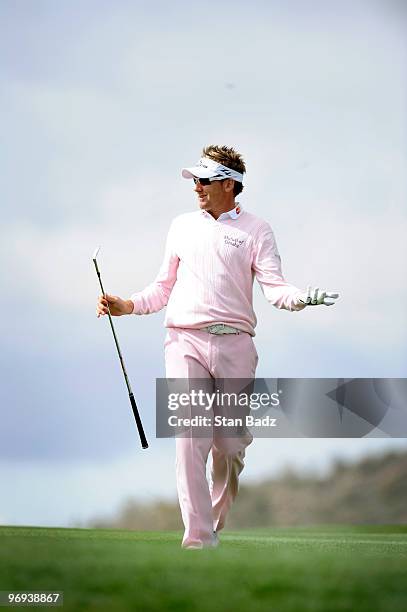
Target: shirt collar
point(230, 214)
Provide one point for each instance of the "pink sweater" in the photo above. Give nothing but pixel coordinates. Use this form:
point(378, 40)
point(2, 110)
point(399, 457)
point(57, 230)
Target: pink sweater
point(208, 270)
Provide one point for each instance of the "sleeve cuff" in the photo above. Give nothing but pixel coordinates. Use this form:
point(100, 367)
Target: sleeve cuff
point(136, 303)
point(296, 301)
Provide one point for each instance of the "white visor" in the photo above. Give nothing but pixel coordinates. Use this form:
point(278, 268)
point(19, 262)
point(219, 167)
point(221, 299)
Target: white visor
point(208, 168)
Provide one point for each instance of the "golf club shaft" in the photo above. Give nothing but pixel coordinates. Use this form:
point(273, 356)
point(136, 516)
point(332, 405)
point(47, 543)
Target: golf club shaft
point(136, 414)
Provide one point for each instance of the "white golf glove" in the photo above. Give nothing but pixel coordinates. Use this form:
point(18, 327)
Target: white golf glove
point(314, 296)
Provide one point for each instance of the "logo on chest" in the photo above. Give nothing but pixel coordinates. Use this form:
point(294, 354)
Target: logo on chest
point(233, 241)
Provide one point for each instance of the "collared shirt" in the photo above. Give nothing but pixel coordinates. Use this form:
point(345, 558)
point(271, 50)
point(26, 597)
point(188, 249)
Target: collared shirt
point(208, 271)
point(231, 214)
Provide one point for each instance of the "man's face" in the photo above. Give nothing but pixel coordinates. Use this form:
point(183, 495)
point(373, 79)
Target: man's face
point(214, 195)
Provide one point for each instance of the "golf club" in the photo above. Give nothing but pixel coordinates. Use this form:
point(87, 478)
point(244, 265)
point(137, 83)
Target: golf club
point(139, 424)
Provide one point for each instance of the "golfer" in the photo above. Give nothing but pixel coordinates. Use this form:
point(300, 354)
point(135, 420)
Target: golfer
point(212, 256)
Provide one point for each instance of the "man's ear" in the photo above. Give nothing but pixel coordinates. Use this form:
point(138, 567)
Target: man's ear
point(228, 184)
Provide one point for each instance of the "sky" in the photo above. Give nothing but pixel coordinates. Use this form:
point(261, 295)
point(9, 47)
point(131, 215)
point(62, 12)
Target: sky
point(102, 104)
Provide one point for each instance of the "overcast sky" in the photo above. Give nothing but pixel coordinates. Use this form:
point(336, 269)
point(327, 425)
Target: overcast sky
point(102, 104)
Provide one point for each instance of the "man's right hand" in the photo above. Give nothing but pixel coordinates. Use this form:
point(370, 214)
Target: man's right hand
point(117, 306)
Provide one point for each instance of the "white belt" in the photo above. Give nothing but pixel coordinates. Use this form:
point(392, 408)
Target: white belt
point(220, 329)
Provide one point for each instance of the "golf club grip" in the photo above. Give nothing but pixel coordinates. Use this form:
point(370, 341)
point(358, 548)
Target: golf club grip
point(139, 424)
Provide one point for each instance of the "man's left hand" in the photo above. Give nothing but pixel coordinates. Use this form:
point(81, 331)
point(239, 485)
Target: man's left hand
point(314, 296)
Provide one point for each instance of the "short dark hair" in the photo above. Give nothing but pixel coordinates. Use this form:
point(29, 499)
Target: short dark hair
point(227, 156)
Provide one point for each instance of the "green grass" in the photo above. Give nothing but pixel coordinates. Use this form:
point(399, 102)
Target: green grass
point(321, 569)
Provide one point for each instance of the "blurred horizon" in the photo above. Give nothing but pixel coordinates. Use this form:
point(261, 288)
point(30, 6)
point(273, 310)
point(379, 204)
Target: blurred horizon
point(369, 490)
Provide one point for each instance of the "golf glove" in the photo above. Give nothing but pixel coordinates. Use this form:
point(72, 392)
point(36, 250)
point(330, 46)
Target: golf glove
point(315, 296)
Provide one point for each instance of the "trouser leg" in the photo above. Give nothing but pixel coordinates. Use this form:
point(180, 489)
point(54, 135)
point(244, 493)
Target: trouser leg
point(225, 472)
point(193, 490)
point(238, 363)
point(185, 354)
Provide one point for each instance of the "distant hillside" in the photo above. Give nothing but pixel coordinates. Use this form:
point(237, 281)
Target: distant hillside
point(373, 490)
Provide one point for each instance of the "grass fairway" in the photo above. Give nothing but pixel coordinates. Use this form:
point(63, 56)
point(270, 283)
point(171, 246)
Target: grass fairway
point(319, 569)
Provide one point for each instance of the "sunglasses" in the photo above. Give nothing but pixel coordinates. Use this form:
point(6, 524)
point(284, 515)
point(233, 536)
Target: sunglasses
point(202, 181)
point(207, 181)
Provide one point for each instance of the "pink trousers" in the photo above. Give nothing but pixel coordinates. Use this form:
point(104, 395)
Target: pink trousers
point(199, 354)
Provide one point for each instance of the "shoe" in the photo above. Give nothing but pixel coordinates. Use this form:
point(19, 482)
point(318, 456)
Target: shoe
point(198, 546)
point(215, 540)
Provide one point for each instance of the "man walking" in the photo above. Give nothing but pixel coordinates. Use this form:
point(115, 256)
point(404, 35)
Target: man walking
point(212, 256)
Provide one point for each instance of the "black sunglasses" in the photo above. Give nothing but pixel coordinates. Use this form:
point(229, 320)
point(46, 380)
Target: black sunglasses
point(207, 181)
point(202, 181)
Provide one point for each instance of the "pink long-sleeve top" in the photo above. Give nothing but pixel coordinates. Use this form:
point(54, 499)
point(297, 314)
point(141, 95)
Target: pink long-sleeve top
point(208, 271)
